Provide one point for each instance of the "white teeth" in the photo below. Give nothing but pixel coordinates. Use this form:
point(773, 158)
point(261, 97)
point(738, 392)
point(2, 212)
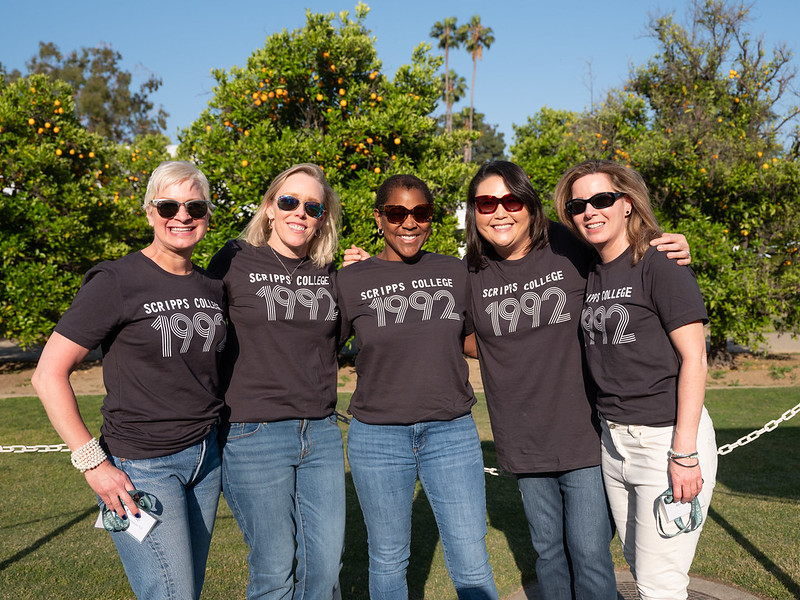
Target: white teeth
point(181, 229)
point(502, 227)
point(408, 238)
point(593, 225)
point(296, 227)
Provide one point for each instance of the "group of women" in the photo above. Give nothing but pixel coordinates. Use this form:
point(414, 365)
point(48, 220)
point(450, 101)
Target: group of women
point(261, 329)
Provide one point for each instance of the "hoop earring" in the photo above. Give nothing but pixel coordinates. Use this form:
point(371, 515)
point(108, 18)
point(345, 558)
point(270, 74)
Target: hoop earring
point(380, 232)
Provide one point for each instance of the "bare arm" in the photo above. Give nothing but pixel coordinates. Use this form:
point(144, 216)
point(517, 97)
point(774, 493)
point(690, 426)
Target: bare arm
point(675, 245)
point(51, 382)
point(689, 341)
point(471, 346)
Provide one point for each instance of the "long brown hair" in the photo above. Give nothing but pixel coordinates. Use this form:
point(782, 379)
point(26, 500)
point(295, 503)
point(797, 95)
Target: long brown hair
point(641, 225)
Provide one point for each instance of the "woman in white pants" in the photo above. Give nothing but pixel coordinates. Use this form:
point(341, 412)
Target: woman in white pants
point(643, 331)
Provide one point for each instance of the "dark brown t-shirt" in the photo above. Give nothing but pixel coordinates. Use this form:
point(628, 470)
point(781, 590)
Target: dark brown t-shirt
point(628, 314)
point(527, 321)
point(410, 321)
point(280, 361)
point(161, 336)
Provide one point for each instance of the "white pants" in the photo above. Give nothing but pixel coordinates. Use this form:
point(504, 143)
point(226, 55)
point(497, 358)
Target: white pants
point(635, 467)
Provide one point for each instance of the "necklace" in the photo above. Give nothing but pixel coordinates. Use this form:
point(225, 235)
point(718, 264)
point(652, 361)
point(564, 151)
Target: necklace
point(284, 266)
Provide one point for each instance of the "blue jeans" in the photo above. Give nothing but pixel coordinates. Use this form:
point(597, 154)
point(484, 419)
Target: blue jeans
point(284, 482)
point(184, 487)
point(385, 461)
point(571, 530)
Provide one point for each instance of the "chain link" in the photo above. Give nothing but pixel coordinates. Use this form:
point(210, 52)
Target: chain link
point(39, 448)
point(754, 435)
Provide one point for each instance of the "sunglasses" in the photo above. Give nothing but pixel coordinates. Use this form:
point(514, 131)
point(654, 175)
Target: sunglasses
point(486, 205)
point(397, 214)
point(167, 209)
point(290, 203)
point(577, 206)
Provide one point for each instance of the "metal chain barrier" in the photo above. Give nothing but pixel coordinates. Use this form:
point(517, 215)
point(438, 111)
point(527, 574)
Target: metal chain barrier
point(728, 448)
point(721, 451)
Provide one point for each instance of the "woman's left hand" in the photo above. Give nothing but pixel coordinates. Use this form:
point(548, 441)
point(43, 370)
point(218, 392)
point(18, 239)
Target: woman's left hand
point(675, 245)
point(686, 481)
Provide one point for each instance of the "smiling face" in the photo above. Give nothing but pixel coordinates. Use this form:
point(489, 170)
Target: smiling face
point(293, 230)
point(507, 232)
point(605, 228)
point(403, 241)
point(177, 235)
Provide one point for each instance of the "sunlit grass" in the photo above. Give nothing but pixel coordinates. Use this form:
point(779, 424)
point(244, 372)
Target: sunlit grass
point(49, 548)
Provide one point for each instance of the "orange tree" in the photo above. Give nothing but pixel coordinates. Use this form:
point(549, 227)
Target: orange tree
point(703, 121)
point(66, 203)
point(318, 94)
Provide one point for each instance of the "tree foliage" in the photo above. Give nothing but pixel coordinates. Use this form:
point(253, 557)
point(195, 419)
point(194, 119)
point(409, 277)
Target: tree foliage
point(489, 146)
point(318, 94)
point(103, 98)
point(69, 199)
point(703, 122)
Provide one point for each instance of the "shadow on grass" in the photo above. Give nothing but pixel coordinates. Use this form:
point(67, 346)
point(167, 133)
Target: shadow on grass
point(769, 566)
point(776, 460)
point(46, 539)
point(505, 512)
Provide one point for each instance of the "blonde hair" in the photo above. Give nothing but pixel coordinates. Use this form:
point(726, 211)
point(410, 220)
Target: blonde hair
point(170, 172)
point(321, 248)
point(641, 225)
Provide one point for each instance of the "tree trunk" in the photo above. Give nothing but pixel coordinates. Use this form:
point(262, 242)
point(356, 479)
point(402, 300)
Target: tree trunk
point(468, 149)
point(448, 92)
point(719, 356)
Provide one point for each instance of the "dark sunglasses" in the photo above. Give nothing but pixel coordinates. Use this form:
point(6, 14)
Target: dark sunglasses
point(167, 209)
point(486, 205)
point(397, 214)
point(290, 203)
point(577, 206)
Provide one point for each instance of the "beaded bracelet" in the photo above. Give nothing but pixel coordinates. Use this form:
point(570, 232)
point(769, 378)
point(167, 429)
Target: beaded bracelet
point(88, 456)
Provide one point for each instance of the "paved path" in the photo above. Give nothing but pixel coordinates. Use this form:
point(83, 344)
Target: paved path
point(699, 589)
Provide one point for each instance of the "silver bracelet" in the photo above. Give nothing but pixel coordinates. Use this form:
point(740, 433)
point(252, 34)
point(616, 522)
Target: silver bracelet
point(88, 456)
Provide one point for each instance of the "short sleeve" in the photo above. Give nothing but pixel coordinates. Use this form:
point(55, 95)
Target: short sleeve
point(96, 310)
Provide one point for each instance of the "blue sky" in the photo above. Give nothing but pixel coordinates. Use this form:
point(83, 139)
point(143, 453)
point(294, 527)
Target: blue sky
point(562, 53)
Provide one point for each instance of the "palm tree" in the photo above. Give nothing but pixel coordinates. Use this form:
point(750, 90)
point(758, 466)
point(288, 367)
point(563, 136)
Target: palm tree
point(479, 37)
point(457, 86)
point(449, 36)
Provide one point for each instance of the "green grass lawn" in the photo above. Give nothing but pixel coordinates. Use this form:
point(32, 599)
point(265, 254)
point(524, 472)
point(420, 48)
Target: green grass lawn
point(49, 549)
